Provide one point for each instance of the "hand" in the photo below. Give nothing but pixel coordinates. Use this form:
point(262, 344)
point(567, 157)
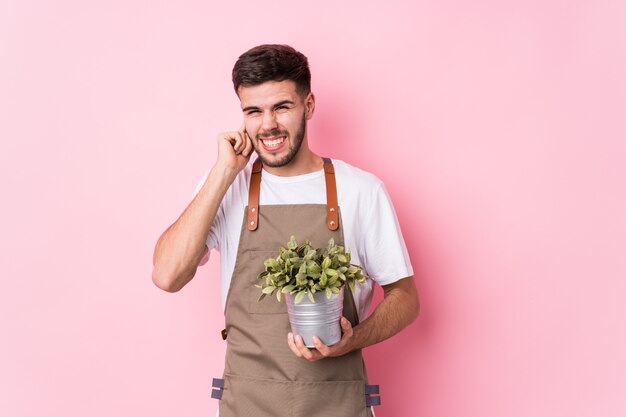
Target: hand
point(321, 351)
point(234, 149)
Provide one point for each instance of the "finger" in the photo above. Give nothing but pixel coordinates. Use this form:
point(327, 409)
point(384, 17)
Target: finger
point(292, 345)
point(248, 149)
point(321, 347)
point(242, 135)
point(230, 137)
point(346, 326)
point(305, 351)
point(227, 136)
point(239, 142)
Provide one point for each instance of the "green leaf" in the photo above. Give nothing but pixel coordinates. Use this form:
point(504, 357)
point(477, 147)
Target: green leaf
point(269, 289)
point(292, 243)
point(301, 280)
point(323, 280)
point(315, 275)
point(261, 297)
point(271, 263)
point(310, 295)
point(331, 272)
point(299, 297)
point(278, 295)
point(287, 288)
point(329, 293)
point(352, 286)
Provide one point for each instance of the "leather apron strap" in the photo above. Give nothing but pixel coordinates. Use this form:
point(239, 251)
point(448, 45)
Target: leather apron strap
point(332, 205)
point(253, 196)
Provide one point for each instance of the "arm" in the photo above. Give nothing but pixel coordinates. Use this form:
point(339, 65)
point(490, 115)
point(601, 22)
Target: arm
point(398, 309)
point(181, 247)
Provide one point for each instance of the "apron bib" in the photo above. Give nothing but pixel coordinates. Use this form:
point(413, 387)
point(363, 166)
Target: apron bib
point(262, 377)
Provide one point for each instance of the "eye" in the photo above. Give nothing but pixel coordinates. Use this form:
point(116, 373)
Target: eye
point(252, 112)
point(282, 107)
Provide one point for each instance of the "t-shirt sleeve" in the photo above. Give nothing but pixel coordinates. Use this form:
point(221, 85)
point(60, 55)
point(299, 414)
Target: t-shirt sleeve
point(384, 252)
point(212, 240)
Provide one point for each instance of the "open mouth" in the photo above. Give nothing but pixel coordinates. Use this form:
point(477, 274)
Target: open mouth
point(273, 143)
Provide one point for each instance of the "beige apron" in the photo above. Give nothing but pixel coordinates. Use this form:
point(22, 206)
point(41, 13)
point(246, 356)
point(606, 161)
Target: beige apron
point(262, 377)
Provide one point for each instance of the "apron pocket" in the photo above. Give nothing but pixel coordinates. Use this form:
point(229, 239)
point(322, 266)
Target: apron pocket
point(255, 397)
point(330, 398)
point(250, 397)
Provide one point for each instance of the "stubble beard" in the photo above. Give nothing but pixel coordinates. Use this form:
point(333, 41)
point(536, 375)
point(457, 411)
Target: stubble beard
point(293, 150)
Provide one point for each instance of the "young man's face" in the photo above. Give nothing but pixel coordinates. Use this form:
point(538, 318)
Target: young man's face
point(275, 118)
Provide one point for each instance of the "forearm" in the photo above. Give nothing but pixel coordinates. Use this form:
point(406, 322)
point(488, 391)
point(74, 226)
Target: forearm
point(180, 248)
point(397, 310)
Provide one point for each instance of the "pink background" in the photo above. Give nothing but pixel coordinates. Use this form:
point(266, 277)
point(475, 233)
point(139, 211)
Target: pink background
point(498, 127)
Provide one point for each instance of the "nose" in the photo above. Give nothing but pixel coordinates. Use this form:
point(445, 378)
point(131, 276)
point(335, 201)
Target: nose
point(269, 121)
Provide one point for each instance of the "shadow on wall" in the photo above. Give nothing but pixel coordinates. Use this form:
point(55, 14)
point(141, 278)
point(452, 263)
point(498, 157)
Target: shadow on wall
point(398, 364)
point(336, 127)
point(338, 130)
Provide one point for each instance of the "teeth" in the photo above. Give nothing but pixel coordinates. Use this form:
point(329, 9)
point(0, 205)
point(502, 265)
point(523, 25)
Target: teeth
point(275, 142)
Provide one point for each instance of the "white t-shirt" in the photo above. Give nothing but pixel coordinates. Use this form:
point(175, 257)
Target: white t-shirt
point(370, 227)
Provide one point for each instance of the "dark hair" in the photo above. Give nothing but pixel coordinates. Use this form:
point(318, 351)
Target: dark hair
point(272, 63)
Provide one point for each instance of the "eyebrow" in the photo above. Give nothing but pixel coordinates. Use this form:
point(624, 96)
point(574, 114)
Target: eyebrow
point(280, 103)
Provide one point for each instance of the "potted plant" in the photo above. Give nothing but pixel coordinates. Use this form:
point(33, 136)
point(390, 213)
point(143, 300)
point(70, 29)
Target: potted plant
point(312, 281)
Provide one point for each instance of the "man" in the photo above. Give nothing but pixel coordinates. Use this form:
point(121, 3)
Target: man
point(289, 191)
